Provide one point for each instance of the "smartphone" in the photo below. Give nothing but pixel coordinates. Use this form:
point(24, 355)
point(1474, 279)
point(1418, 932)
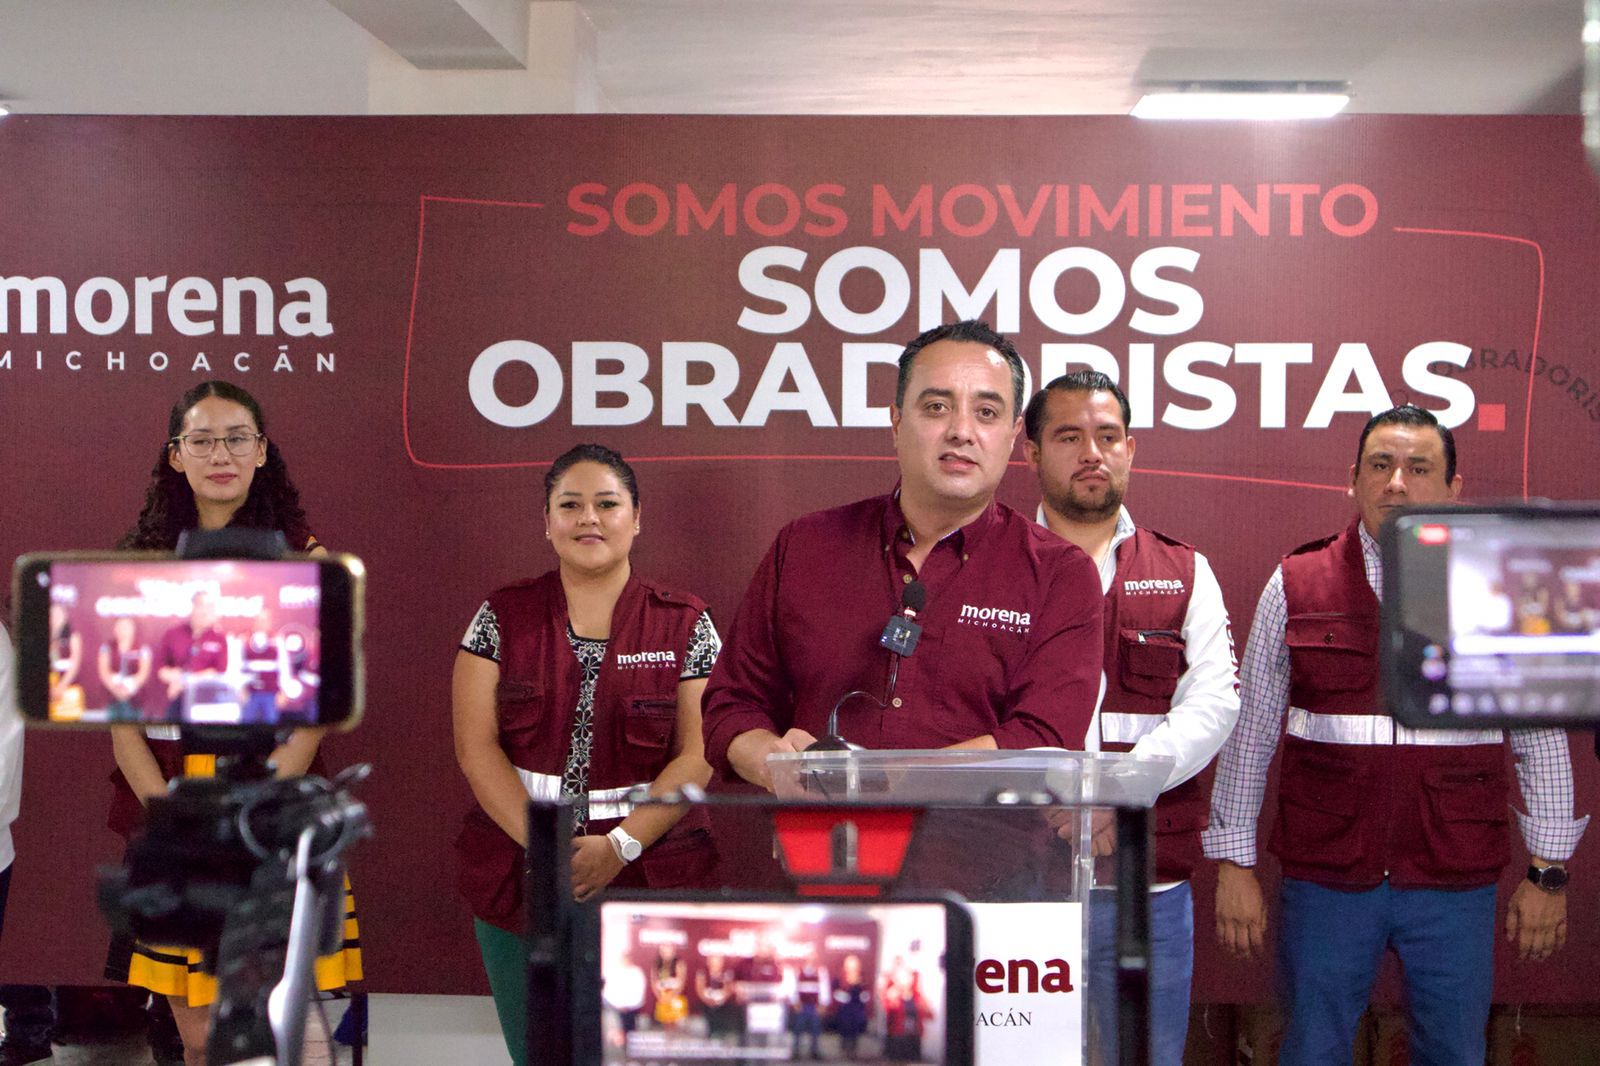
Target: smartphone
point(684, 979)
point(154, 640)
point(1491, 616)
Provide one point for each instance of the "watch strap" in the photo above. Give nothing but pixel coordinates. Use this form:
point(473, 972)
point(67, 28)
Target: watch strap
point(622, 842)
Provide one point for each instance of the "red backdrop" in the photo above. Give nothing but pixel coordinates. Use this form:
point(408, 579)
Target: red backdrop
point(715, 297)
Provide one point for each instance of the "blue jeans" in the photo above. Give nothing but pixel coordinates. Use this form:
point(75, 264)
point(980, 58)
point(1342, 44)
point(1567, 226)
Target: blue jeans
point(1171, 973)
point(807, 1022)
point(1328, 954)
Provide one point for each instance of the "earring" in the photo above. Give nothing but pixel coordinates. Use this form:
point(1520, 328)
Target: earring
point(636, 527)
point(547, 534)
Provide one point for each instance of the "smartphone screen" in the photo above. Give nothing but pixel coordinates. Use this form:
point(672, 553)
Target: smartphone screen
point(719, 981)
point(166, 642)
point(1493, 616)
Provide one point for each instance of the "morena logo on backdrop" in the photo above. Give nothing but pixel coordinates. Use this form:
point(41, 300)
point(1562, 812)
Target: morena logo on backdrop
point(48, 313)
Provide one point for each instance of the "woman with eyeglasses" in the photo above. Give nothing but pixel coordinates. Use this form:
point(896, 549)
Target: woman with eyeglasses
point(583, 684)
point(217, 468)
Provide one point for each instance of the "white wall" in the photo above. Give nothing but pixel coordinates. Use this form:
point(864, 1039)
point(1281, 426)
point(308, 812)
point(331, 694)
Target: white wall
point(267, 57)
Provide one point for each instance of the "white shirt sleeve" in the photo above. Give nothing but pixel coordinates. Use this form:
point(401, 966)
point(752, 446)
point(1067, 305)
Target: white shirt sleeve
point(10, 750)
point(1544, 772)
point(1205, 704)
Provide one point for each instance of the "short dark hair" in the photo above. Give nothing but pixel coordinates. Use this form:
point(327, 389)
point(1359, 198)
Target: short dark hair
point(591, 453)
point(966, 330)
point(1077, 381)
point(1409, 414)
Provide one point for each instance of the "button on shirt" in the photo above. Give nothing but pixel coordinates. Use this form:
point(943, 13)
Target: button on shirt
point(1544, 763)
point(1010, 647)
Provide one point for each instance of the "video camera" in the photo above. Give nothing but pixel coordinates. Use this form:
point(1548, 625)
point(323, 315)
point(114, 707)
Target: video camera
point(229, 645)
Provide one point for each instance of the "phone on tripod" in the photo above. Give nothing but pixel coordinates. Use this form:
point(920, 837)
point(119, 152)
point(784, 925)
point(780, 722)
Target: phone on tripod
point(226, 646)
point(161, 640)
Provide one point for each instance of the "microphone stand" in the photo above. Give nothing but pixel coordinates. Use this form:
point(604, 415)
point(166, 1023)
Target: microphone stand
point(900, 637)
point(833, 741)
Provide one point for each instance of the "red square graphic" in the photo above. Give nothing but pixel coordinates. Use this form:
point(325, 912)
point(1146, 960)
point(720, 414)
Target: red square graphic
point(1491, 417)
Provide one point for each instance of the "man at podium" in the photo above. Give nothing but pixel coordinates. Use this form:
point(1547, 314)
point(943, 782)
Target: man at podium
point(994, 638)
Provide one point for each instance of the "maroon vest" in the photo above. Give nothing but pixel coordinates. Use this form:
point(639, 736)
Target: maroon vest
point(1144, 658)
point(808, 985)
point(1354, 806)
point(635, 714)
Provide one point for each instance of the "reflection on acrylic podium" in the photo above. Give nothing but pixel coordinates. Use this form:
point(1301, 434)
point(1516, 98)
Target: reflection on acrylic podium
point(832, 941)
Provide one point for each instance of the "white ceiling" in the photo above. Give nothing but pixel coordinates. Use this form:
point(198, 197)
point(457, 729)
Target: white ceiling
point(780, 56)
point(1078, 56)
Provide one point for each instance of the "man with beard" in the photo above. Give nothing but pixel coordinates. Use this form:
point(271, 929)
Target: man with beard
point(1170, 682)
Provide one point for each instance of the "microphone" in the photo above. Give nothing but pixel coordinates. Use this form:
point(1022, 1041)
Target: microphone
point(900, 636)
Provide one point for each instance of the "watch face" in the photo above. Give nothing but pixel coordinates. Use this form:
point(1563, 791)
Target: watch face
point(1550, 877)
point(631, 850)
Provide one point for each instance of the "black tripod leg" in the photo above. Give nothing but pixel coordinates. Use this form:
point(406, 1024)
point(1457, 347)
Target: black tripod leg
point(250, 963)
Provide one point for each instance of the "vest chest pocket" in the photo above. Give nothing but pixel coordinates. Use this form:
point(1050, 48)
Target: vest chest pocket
point(1333, 652)
point(1150, 661)
point(520, 708)
point(648, 727)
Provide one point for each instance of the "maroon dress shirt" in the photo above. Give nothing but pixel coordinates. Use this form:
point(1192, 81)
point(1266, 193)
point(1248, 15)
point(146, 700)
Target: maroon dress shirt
point(1010, 648)
point(182, 648)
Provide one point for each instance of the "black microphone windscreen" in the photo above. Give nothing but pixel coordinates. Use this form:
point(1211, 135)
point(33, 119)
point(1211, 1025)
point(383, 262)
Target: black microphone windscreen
point(916, 596)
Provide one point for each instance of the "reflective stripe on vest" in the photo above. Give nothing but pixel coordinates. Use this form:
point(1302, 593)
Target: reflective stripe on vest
point(1118, 727)
point(1375, 729)
point(604, 803)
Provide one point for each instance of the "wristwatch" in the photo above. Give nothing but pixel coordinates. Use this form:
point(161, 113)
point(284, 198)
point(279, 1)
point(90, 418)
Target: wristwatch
point(628, 849)
point(1550, 878)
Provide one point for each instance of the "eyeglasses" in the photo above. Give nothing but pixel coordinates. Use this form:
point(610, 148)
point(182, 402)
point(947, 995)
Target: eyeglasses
point(201, 445)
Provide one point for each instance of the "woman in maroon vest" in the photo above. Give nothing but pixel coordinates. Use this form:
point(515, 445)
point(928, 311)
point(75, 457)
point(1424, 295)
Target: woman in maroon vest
point(585, 684)
point(216, 468)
